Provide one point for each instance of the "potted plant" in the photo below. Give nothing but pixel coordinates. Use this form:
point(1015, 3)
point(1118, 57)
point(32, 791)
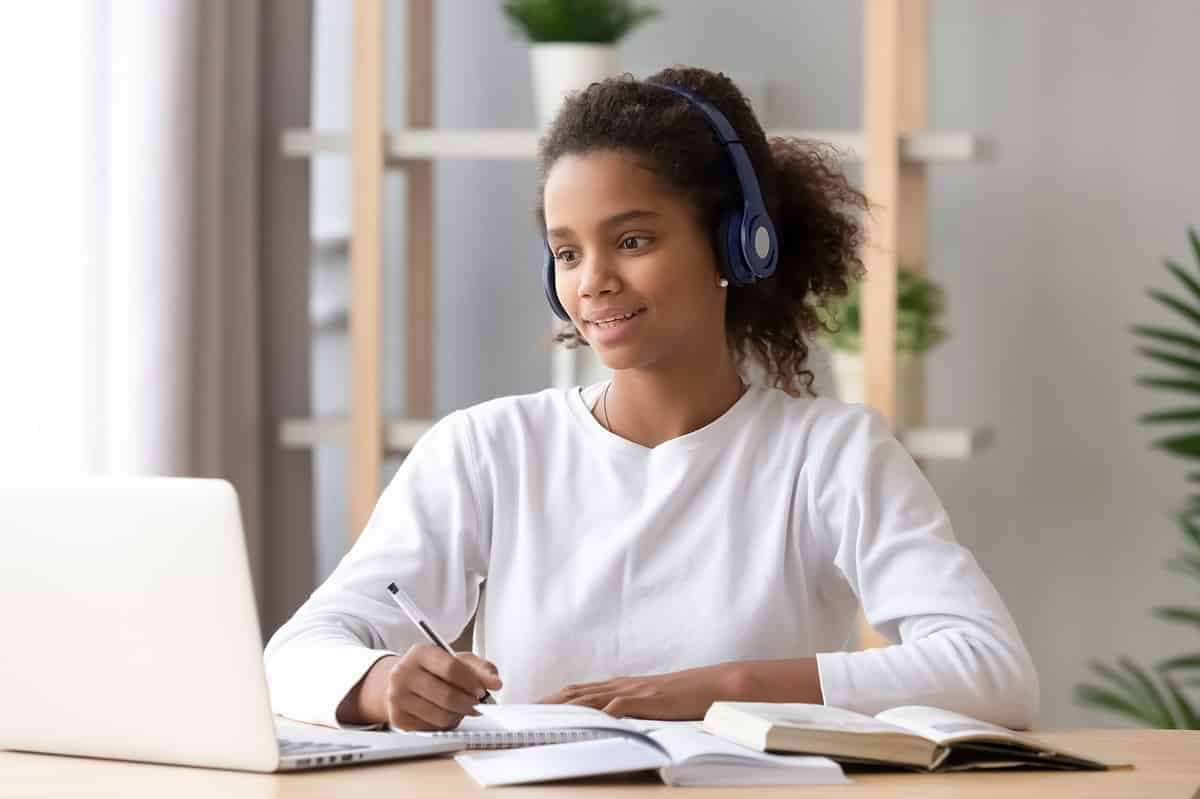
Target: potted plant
point(573, 43)
point(920, 305)
point(1159, 697)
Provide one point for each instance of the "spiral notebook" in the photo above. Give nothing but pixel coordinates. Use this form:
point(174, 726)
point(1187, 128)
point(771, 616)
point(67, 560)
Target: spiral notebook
point(513, 739)
point(479, 732)
point(482, 732)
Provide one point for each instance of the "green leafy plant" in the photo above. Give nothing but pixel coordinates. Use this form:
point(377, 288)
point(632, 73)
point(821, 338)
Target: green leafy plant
point(581, 21)
point(920, 306)
point(1160, 699)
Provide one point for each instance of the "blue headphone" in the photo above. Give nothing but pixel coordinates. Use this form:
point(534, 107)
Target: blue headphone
point(746, 242)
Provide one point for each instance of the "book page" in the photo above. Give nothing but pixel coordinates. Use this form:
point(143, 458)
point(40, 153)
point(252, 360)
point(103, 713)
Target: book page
point(815, 717)
point(946, 726)
point(684, 744)
point(650, 725)
point(699, 758)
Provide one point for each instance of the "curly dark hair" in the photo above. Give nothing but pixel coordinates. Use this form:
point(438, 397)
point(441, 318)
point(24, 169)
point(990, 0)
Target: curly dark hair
point(811, 203)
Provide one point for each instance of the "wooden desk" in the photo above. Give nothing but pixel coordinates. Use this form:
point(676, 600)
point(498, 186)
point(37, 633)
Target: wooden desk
point(1168, 765)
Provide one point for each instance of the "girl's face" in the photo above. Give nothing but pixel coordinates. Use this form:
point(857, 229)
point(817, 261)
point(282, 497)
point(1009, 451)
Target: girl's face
point(633, 267)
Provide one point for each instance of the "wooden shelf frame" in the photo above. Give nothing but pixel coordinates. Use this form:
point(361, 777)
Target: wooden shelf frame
point(895, 106)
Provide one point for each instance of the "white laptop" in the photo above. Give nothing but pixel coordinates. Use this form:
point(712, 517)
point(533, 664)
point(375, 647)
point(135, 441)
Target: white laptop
point(130, 631)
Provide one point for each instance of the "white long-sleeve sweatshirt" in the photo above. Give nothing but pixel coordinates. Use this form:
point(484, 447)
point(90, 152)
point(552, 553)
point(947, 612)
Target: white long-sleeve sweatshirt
point(586, 556)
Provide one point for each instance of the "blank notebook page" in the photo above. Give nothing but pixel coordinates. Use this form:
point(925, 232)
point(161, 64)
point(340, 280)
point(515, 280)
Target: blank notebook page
point(561, 761)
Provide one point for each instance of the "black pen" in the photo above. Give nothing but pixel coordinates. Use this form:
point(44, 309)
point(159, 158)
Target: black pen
point(418, 618)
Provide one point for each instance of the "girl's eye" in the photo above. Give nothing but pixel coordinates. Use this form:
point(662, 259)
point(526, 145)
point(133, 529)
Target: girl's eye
point(565, 256)
point(634, 239)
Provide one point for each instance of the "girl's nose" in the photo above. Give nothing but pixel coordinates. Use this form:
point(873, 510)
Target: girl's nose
point(598, 277)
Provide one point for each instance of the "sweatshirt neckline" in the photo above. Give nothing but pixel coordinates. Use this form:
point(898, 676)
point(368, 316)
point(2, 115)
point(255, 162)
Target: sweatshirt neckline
point(711, 433)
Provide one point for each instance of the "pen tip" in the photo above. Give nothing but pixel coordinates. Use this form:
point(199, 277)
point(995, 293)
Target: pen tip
point(392, 587)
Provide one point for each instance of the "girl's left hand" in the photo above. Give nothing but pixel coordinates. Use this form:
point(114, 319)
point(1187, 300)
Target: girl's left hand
point(675, 696)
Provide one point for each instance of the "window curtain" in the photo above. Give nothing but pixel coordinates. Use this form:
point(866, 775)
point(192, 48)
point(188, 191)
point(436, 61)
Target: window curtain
point(155, 309)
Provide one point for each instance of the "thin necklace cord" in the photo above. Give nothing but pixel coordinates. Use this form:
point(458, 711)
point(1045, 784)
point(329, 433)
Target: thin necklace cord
point(604, 402)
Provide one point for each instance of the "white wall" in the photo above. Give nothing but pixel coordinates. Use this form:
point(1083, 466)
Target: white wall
point(1044, 252)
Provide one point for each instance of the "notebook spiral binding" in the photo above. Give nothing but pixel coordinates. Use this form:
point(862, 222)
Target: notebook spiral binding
point(511, 739)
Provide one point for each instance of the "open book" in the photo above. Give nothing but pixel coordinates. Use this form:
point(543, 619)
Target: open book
point(682, 753)
point(914, 736)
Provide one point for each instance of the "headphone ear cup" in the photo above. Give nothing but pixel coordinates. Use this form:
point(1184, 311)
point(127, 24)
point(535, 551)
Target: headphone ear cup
point(729, 231)
point(548, 283)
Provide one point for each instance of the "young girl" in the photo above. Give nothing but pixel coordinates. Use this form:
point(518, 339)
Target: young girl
point(679, 534)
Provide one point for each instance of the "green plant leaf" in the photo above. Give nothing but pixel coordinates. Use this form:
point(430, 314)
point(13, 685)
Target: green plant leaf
point(1187, 445)
point(1177, 614)
point(1184, 277)
point(1103, 699)
point(1149, 691)
point(1180, 662)
point(1178, 415)
point(1169, 336)
point(1185, 564)
point(1123, 683)
point(1171, 384)
point(1190, 528)
point(584, 21)
point(1138, 690)
point(1178, 306)
point(1171, 359)
point(1135, 694)
point(920, 304)
point(1187, 714)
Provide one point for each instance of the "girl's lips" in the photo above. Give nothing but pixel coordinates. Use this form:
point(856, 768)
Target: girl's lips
point(608, 333)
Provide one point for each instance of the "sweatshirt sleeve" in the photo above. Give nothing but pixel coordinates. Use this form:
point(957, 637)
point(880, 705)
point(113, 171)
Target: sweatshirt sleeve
point(427, 534)
point(954, 643)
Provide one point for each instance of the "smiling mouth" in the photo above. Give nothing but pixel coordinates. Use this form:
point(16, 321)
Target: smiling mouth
point(615, 321)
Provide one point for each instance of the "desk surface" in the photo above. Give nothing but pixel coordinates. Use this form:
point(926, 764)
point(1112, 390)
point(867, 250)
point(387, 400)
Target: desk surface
point(1167, 765)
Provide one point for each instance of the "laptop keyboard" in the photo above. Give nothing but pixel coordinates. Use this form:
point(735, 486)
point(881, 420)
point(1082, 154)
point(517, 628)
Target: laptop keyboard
point(289, 747)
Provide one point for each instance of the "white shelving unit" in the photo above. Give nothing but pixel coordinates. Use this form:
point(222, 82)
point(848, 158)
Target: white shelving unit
point(518, 144)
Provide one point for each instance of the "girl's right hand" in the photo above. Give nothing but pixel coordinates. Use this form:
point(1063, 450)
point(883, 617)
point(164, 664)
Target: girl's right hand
point(426, 689)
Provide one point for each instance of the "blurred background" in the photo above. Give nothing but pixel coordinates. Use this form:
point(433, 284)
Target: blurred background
point(176, 286)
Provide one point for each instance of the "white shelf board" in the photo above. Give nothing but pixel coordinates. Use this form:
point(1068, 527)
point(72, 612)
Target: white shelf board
point(928, 443)
point(399, 434)
point(946, 443)
point(516, 143)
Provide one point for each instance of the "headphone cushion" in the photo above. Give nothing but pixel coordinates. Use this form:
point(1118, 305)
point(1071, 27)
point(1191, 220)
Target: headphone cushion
point(729, 234)
point(549, 284)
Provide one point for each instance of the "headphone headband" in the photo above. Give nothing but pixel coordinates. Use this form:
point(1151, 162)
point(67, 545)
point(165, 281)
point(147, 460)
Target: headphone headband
point(728, 137)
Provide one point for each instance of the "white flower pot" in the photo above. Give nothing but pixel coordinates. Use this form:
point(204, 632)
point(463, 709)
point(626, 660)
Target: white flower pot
point(849, 379)
point(561, 68)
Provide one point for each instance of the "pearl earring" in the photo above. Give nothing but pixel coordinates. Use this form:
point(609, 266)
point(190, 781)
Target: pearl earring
point(722, 282)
